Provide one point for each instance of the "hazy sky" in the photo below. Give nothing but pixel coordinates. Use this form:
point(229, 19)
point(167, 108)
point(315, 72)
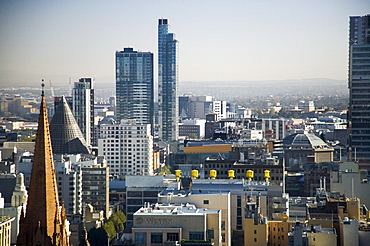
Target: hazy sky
point(219, 40)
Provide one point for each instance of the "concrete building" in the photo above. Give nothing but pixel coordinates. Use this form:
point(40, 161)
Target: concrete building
point(5, 230)
point(128, 148)
point(351, 183)
point(13, 203)
point(68, 177)
point(167, 82)
point(139, 191)
point(299, 147)
point(219, 108)
point(310, 236)
point(255, 234)
point(359, 88)
point(95, 186)
point(192, 128)
point(210, 200)
point(350, 234)
point(168, 224)
point(230, 196)
point(200, 106)
point(69, 180)
point(278, 232)
point(135, 86)
point(306, 106)
point(277, 126)
point(184, 101)
point(83, 107)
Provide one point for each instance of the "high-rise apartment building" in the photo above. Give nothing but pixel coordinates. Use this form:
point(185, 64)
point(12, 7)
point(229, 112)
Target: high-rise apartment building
point(83, 108)
point(359, 88)
point(128, 148)
point(135, 86)
point(167, 82)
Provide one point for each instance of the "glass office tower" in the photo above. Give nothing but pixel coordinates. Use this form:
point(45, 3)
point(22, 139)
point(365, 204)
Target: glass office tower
point(135, 86)
point(167, 83)
point(359, 88)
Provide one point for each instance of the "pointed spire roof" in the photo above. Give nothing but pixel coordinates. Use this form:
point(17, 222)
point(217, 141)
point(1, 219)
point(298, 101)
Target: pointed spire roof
point(39, 226)
point(65, 133)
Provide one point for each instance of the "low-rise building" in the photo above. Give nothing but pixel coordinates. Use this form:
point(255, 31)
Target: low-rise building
point(166, 224)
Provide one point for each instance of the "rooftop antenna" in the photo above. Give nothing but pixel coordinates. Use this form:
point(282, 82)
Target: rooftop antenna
point(52, 90)
point(70, 87)
point(93, 84)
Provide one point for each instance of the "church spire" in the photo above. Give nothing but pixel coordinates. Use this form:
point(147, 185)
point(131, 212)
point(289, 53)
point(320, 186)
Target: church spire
point(43, 224)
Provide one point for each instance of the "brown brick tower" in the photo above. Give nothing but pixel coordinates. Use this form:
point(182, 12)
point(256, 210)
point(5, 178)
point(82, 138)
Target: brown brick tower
point(45, 221)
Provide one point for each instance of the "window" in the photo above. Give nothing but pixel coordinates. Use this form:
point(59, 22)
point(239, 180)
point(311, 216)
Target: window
point(172, 237)
point(255, 231)
point(205, 201)
point(255, 240)
point(223, 225)
point(156, 237)
point(196, 235)
point(210, 234)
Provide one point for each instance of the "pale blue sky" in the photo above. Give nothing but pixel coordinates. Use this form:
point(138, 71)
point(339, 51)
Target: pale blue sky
point(244, 40)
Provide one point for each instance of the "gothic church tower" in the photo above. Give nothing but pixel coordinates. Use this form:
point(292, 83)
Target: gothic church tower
point(44, 223)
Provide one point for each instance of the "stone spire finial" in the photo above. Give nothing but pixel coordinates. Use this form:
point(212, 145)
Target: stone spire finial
point(42, 86)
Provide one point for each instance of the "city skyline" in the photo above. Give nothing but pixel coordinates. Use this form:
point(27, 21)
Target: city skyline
point(223, 41)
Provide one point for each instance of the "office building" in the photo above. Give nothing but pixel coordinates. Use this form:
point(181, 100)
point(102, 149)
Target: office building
point(135, 86)
point(167, 82)
point(168, 224)
point(128, 148)
point(141, 190)
point(184, 106)
point(359, 88)
point(83, 108)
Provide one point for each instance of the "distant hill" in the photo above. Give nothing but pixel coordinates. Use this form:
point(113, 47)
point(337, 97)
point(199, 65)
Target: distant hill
point(16, 78)
point(222, 90)
point(232, 89)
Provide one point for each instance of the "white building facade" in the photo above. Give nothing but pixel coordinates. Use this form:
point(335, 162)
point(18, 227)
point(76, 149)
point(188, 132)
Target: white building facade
point(128, 148)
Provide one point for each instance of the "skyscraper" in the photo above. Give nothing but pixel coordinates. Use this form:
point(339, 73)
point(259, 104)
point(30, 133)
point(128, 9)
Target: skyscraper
point(83, 108)
point(45, 221)
point(167, 82)
point(135, 86)
point(359, 88)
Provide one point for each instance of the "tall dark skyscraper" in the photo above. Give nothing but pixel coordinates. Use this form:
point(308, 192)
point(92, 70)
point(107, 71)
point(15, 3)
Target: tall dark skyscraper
point(135, 86)
point(359, 88)
point(167, 82)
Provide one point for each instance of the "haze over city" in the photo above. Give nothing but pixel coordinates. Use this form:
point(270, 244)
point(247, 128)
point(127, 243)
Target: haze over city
point(219, 40)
